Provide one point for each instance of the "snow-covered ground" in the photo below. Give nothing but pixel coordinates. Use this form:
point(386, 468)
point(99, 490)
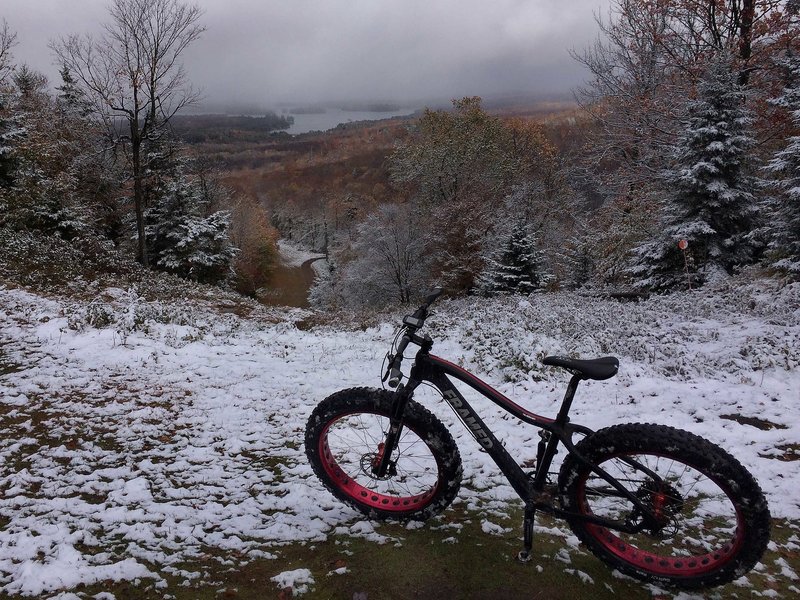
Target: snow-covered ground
point(292, 255)
point(131, 445)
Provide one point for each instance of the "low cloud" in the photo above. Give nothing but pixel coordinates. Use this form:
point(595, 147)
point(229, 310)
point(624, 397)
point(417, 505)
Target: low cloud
point(265, 52)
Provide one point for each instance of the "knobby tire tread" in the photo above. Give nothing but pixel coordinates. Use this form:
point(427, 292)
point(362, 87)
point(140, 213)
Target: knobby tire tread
point(417, 417)
point(685, 446)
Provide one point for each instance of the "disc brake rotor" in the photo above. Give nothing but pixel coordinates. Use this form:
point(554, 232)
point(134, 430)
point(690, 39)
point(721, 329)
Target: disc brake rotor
point(664, 502)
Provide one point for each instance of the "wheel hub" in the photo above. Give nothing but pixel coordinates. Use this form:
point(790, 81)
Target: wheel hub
point(664, 502)
point(370, 463)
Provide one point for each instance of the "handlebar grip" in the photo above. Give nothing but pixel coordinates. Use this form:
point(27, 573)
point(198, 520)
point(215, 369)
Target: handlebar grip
point(395, 374)
point(433, 295)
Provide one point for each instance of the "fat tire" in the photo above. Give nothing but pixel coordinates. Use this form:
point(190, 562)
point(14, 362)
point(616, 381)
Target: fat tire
point(739, 485)
point(417, 418)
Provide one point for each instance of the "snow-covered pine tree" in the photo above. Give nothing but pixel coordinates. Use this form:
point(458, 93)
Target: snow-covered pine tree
point(10, 129)
point(37, 183)
point(182, 240)
point(10, 133)
point(516, 267)
point(71, 100)
point(784, 245)
point(709, 200)
point(578, 256)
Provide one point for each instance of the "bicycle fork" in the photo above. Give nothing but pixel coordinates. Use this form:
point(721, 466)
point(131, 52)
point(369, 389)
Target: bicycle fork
point(382, 463)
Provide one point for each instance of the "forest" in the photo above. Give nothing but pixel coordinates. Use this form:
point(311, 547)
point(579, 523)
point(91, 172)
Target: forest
point(201, 128)
point(679, 165)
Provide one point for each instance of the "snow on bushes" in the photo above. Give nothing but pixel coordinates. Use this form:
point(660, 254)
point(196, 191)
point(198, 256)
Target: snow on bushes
point(681, 336)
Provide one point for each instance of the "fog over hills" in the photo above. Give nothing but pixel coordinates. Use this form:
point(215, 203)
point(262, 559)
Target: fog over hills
point(259, 53)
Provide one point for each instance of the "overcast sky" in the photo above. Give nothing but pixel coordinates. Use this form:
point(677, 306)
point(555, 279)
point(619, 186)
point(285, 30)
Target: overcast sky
point(266, 52)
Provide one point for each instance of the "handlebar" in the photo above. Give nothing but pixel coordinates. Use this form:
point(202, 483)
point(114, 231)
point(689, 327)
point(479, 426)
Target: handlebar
point(411, 324)
point(417, 320)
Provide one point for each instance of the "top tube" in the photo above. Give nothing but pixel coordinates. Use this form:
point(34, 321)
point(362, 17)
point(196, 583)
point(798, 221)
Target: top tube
point(488, 391)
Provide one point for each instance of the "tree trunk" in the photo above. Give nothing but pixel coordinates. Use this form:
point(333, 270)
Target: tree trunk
point(138, 193)
point(746, 39)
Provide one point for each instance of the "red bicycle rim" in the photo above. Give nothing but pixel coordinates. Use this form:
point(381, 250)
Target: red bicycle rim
point(666, 565)
point(350, 487)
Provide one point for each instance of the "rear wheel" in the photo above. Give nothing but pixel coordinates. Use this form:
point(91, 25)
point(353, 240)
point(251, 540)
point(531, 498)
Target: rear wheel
point(345, 439)
point(712, 518)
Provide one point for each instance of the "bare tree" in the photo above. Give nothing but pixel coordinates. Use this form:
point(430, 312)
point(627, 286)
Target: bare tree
point(132, 75)
point(391, 259)
point(8, 40)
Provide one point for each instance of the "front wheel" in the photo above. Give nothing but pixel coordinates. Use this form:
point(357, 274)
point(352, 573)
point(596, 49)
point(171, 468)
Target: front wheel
point(711, 518)
point(345, 439)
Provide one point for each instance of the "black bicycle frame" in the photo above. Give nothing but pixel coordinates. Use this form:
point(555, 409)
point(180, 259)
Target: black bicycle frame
point(435, 370)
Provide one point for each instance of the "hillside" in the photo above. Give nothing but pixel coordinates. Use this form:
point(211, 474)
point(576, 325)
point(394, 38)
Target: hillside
point(328, 178)
point(158, 441)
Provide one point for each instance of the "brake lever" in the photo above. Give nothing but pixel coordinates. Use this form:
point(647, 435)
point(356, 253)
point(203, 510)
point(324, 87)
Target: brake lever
point(390, 362)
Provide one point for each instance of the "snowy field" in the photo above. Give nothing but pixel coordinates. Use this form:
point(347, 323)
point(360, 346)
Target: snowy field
point(137, 436)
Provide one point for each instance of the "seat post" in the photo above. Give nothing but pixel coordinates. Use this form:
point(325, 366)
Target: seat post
point(566, 404)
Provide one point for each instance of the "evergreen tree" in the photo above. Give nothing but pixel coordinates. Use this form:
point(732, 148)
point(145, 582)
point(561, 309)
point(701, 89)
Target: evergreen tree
point(709, 203)
point(516, 267)
point(784, 244)
point(30, 84)
point(42, 183)
point(182, 239)
point(71, 101)
point(578, 257)
point(11, 132)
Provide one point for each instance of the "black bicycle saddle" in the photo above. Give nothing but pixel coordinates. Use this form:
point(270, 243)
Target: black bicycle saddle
point(595, 368)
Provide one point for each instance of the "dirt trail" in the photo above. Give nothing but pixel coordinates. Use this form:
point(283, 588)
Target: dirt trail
point(289, 285)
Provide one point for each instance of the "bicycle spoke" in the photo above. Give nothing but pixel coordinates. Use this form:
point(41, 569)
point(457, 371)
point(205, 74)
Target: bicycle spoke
point(698, 516)
point(355, 441)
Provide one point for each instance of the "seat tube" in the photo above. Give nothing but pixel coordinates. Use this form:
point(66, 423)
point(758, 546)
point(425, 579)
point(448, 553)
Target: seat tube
point(551, 449)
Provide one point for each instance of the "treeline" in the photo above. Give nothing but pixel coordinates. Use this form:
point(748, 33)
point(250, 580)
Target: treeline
point(98, 164)
point(479, 197)
point(683, 167)
point(195, 129)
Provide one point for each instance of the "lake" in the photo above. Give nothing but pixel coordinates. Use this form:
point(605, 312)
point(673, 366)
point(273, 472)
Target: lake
point(331, 117)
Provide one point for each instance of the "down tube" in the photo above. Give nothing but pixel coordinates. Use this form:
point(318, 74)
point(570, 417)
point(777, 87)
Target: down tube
point(515, 475)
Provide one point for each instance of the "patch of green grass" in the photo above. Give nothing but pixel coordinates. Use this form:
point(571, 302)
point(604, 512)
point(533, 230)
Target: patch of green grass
point(449, 557)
